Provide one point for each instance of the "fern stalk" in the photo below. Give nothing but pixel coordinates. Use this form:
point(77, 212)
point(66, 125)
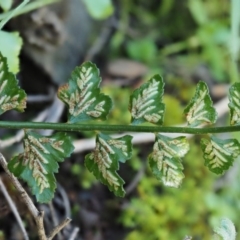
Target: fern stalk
point(66, 127)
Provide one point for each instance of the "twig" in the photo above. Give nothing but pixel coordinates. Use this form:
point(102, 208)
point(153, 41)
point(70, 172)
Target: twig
point(54, 218)
point(37, 215)
point(41, 97)
point(74, 233)
point(100, 41)
point(19, 188)
point(132, 185)
point(40, 225)
point(14, 209)
point(59, 228)
point(65, 200)
point(38, 98)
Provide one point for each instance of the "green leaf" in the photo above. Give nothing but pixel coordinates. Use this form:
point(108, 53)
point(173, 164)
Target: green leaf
point(165, 160)
point(103, 162)
point(6, 4)
point(226, 230)
point(143, 50)
point(219, 154)
point(82, 95)
point(234, 105)
point(99, 9)
point(38, 163)
point(10, 46)
point(198, 11)
point(11, 96)
point(200, 109)
point(146, 102)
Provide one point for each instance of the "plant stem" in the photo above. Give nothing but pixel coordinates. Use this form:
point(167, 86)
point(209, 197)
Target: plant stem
point(29, 7)
point(37, 215)
point(67, 127)
point(58, 228)
point(12, 13)
point(14, 209)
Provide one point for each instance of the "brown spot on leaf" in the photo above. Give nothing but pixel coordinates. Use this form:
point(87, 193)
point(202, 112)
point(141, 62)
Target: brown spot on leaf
point(63, 88)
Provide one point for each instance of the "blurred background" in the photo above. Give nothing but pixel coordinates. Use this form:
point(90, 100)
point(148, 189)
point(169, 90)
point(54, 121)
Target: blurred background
point(129, 40)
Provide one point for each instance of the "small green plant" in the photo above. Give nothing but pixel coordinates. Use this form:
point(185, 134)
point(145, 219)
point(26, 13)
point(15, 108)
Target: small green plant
point(85, 102)
point(38, 163)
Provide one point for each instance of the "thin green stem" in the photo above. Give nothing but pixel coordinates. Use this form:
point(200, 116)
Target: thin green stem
point(190, 43)
point(66, 127)
point(12, 13)
point(29, 7)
